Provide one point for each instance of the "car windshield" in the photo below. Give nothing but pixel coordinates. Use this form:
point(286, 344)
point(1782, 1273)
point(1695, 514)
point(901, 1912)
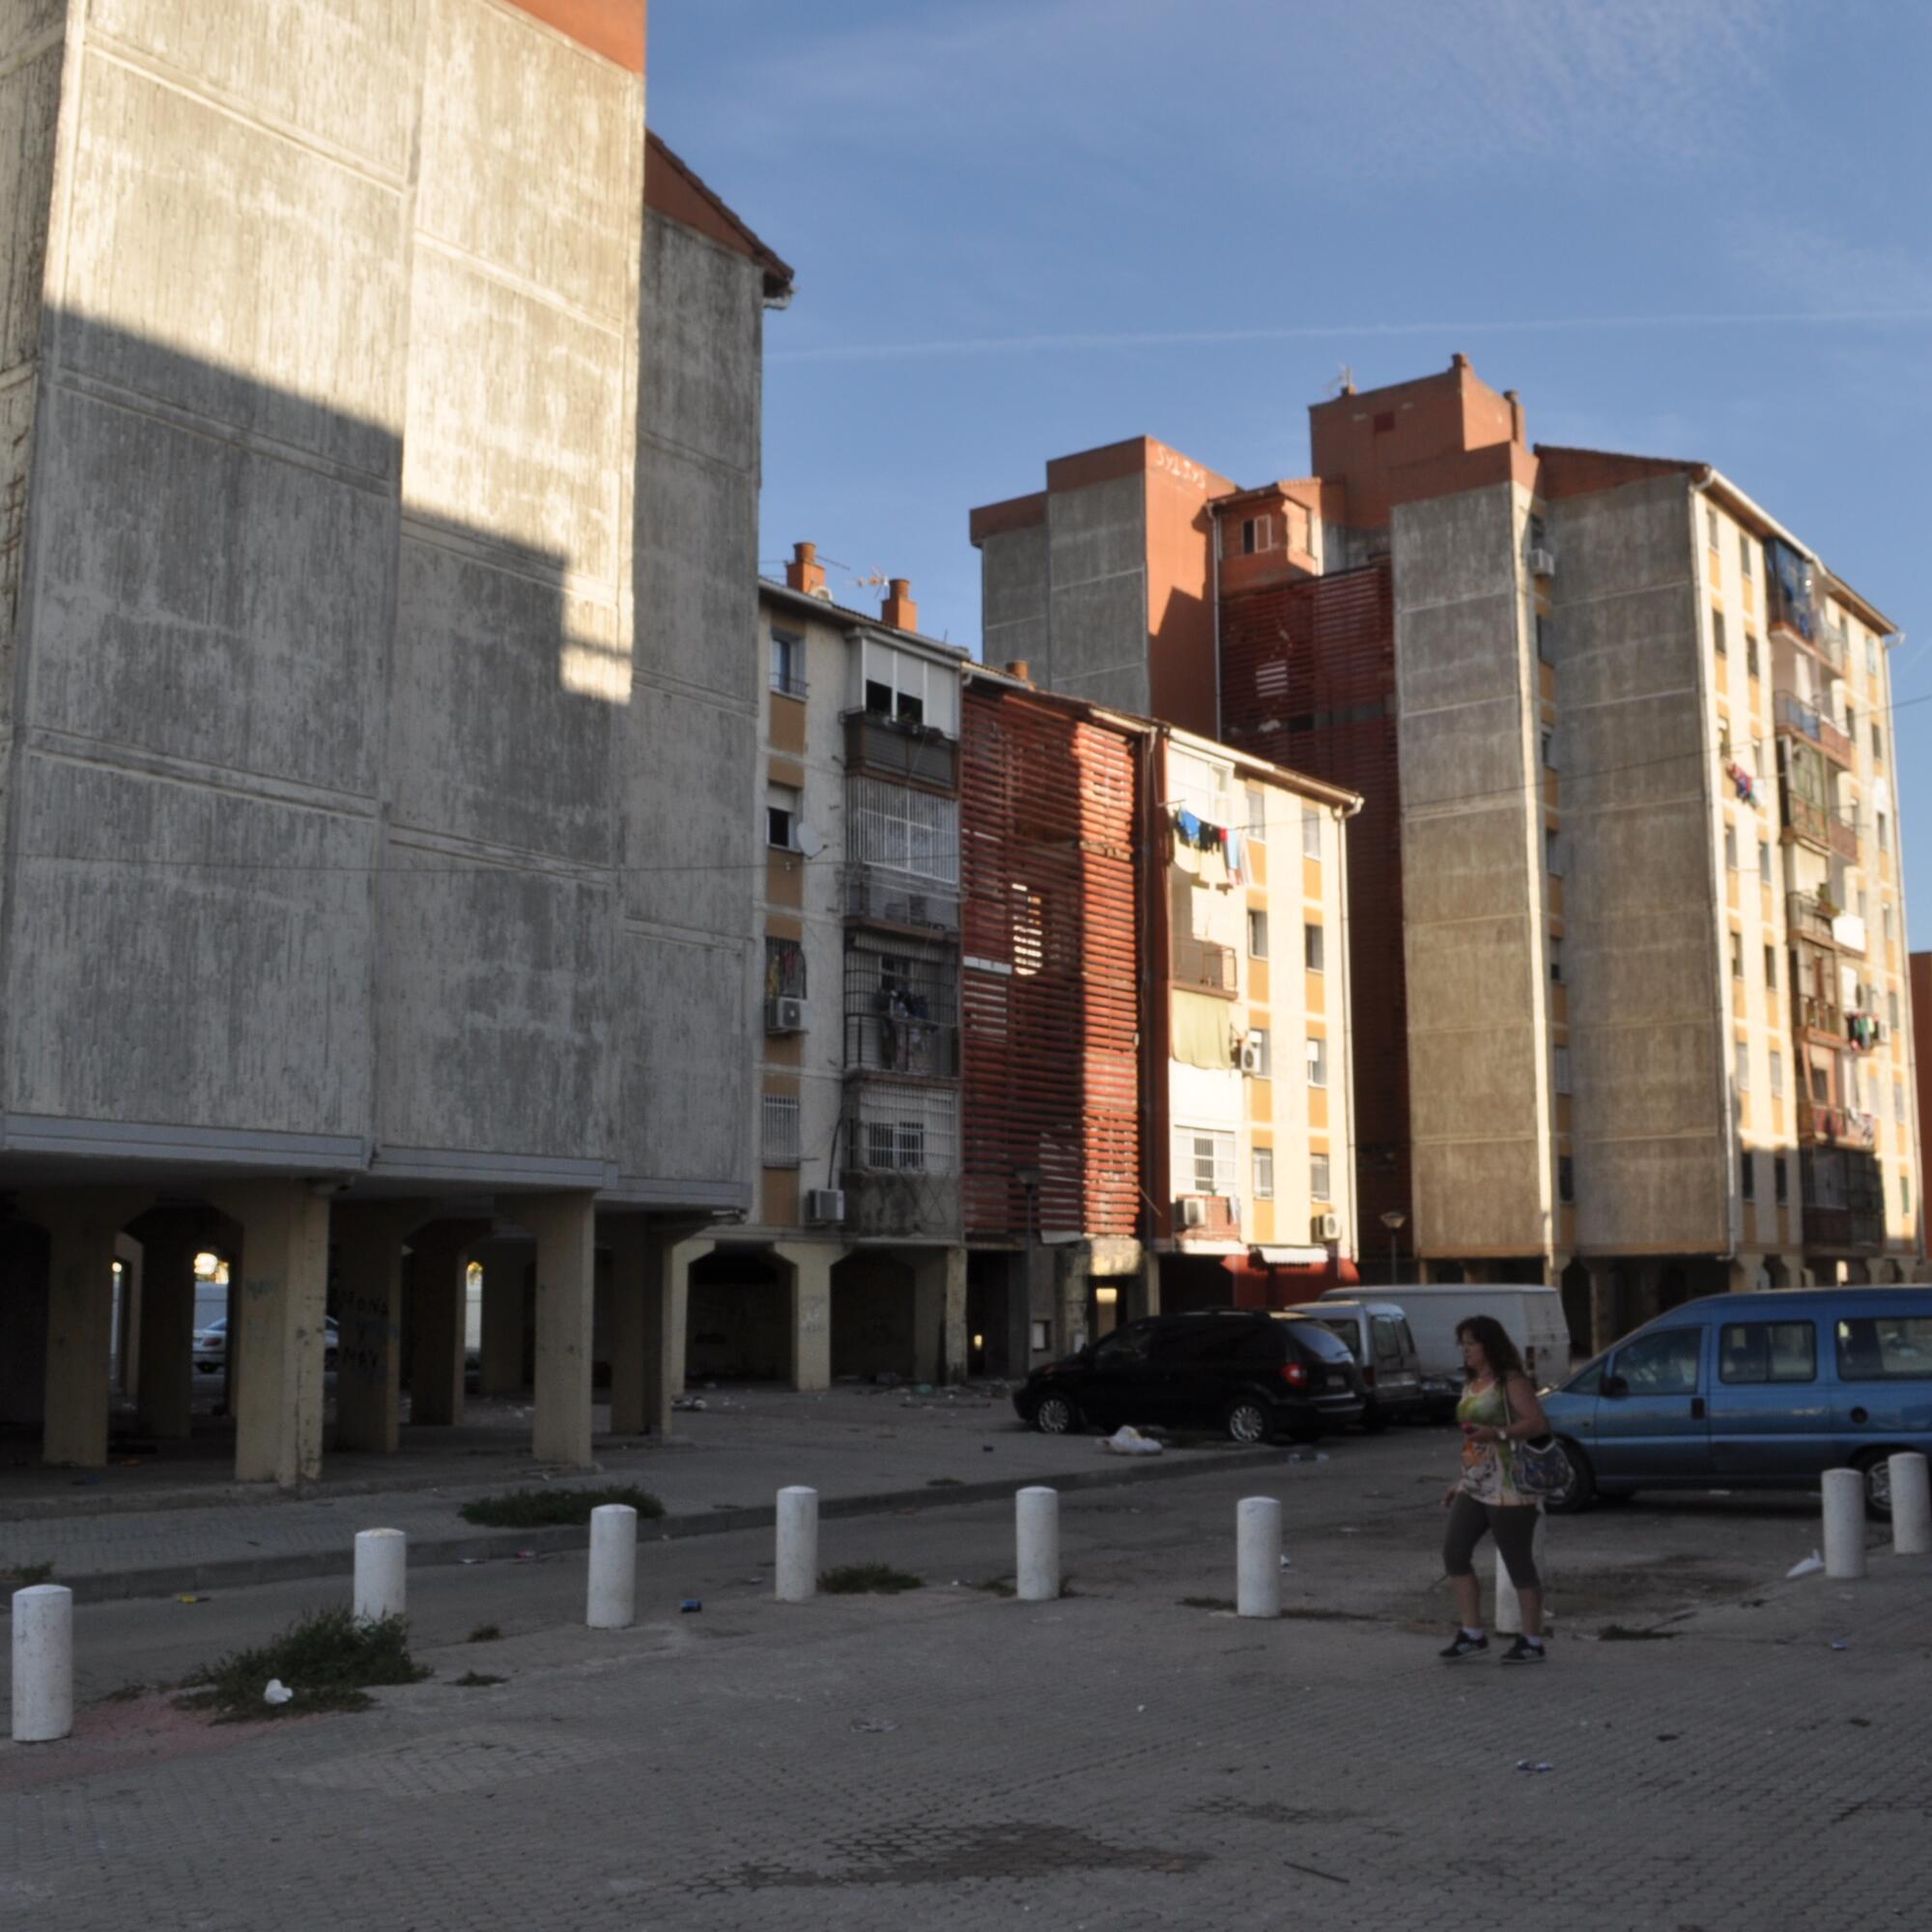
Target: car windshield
point(1320, 1340)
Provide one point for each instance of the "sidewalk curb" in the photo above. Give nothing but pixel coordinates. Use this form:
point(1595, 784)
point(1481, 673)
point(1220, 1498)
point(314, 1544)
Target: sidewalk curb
point(496, 1545)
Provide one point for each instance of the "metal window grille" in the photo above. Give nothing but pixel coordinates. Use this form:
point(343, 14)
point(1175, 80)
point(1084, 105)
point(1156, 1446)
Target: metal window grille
point(902, 830)
point(778, 1139)
point(1204, 1161)
point(785, 969)
point(1265, 1174)
point(902, 1007)
point(896, 1127)
point(1318, 1176)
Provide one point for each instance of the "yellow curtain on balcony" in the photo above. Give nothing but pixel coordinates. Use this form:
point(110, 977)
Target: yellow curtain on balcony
point(1200, 1031)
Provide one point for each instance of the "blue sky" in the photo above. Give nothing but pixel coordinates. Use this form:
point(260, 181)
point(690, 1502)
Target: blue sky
point(1695, 228)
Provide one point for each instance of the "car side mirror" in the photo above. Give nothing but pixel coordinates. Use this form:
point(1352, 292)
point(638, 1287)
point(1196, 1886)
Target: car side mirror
point(1615, 1386)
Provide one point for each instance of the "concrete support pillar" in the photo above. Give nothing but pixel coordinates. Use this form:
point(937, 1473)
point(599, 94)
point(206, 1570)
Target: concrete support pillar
point(683, 1255)
point(1147, 1288)
point(939, 1313)
point(641, 1330)
point(1073, 1277)
point(506, 1266)
point(128, 1341)
point(276, 1341)
point(82, 1225)
point(1605, 1321)
point(565, 1227)
point(811, 1264)
point(368, 1369)
point(1742, 1274)
point(439, 1301)
point(166, 1338)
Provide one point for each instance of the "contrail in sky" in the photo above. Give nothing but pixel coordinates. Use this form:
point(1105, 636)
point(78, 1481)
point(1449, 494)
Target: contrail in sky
point(996, 345)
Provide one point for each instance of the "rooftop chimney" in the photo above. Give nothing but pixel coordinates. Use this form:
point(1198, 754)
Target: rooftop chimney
point(1020, 668)
point(1519, 429)
point(899, 610)
point(805, 572)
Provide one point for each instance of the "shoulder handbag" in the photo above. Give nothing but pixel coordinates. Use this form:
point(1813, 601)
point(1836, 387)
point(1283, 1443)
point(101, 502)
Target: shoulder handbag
point(1538, 1469)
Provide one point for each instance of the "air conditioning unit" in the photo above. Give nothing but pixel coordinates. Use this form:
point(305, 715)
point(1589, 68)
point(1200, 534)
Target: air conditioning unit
point(1541, 563)
point(786, 1015)
point(1326, 1228)
point(1251, 1056)
point(1193, 1212)
point(825, 1206)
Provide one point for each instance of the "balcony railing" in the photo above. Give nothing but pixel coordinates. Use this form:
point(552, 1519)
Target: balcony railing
point(891, 897)
point(1821, 1015)
point(1818, 825)
point(892, 748)
point(903, 1204)
point(1795, 714)
point(1843, 1228)
point(898, 1043)
point(1807, 918)
point(1202, 964)
point(1835, 1127)
point(1206, 1217)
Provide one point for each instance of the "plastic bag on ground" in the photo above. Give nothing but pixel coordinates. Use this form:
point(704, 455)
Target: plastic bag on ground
point(1130, 1441)
point(1810, 1567)
point(277, 1692)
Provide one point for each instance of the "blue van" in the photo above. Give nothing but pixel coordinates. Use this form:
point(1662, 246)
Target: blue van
point(1752, 1391)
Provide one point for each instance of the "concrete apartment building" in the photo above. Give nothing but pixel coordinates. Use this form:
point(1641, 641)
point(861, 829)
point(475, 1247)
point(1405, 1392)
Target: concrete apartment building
point(1624, 742)
point(377, 717)
point(850, 1261)
point(1157, 1053)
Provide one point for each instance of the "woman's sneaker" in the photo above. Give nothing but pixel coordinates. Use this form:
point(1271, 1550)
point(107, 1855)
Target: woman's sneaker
point(1523, 1651)
point(1465, 1645)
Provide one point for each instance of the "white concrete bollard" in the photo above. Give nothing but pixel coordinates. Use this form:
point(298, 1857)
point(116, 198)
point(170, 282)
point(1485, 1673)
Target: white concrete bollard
point(797, 1544)
point(1036, 1545)
point(1258, 1557)
point(1844, 1523)
point(1910, 1505)
point(1509, 1606)
point(43, 1663)
point(382, 1566)
point(611, 1600)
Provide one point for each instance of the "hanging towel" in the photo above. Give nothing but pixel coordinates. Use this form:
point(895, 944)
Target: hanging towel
point(1188, 826)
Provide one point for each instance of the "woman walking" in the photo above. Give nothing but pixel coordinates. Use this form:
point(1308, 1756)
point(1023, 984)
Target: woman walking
point(1498, 1410)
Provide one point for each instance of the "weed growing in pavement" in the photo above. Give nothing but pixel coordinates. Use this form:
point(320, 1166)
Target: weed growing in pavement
point(327, 1658)
point(1207, 1602)
point(26, 1576)
point(485, 1633)
point(537, 1509)
point(475, 1680)
point(858, 1579)
point(996, 1586)
point(127, 1694)
point(1627, 1634)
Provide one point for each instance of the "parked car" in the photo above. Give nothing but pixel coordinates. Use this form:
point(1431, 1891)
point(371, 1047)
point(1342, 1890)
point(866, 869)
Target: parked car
point(1532, 1317)
point(1752, 1391)
point(1255, 1373)
point(1379, 1337)
point(211, 1345)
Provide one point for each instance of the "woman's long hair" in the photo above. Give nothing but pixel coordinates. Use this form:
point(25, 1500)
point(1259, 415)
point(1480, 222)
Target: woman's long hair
point(1498, 1350)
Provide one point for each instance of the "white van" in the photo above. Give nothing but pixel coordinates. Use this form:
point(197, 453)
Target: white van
point(1532, 1317)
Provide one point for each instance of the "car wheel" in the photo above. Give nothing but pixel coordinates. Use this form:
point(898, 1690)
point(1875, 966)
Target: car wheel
point(1247, 1421)
point(1875, 1465)
point(1375, 1418)
point(1581, 1491)
point(1055, 1415)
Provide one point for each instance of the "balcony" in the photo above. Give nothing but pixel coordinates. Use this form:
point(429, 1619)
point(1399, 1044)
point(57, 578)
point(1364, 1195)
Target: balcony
point(1206, 1217)
point(1822, 1017)
point(1794, 714)
point(901, 1166)
point(1819, 1125)
point(898, 1042)
point(1809, 917)
point(1843, 1228)
point(1205, 966)
point(896, 749)
point(883, 895)
point(1819, 826)
point(1866, 1032)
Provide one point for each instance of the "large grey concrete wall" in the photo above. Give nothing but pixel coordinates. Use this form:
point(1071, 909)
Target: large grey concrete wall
point(1474, 914)
point(1643, 954)
point(1013, 574)
point(1097, 593)
point(332, 764)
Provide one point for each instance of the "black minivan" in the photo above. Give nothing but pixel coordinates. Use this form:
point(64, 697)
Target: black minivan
point(1253, 1373)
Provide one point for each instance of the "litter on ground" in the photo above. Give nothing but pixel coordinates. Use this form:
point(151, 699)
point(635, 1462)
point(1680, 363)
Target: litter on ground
point(1810, 1567)
point(1128, 1441)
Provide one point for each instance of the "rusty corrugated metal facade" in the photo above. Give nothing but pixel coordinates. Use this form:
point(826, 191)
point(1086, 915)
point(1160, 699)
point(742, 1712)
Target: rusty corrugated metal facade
point(1050, 994)
point(1308, 681)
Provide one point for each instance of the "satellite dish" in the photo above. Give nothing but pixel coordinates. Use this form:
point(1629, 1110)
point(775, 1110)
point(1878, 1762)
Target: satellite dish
point(809, 841)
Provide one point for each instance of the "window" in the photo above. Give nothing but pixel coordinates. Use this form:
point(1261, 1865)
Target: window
point(1886, 1347)
point(1744, 554)
point(1711, 527)
point(1878, 745)
point(1318, 1176)
point(1258, 813)
point(1561, 1057)
point(1543, 638)
point(1905, 1194)
point(1748, 1175)
point(1771, 967)
point(1256, 534)
point(1752, 668)
point(903, 685)
point(1763, 862)
point(1318, 1063)
point(1311, 833)
point(1776, 1073)
point(782, 817)
point(785, 969)
point(1871, 657)
point(1556, 958)
point(1741, 1061)
point(1204, 1161)
point(1892, 1011)
point(1759, 769)
point(1258, 934)
point(1553, 851)
point(778, 1130)
point(1664, 1363)
point(1315, 949)
point(787, 663)
point(1898, 1101)
point(1258, 1038)
point(1550, 750)
point(1886, 910)
point(902, 830)
point(1730, 849)
point(1737, 956)
point(1265, 1174)
point(1566, 1177)
point(1717, 639)
point(1780, 1179)
point(1768, 1351)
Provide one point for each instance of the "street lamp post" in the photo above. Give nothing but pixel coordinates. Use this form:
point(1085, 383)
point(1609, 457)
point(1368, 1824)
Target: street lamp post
point(1394, 1221)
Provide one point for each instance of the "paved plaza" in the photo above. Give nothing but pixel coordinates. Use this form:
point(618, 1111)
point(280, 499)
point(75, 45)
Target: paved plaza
point(1121, 1758)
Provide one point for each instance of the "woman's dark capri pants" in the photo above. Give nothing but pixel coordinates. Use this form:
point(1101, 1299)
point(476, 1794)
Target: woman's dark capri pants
point(1514, 1527)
